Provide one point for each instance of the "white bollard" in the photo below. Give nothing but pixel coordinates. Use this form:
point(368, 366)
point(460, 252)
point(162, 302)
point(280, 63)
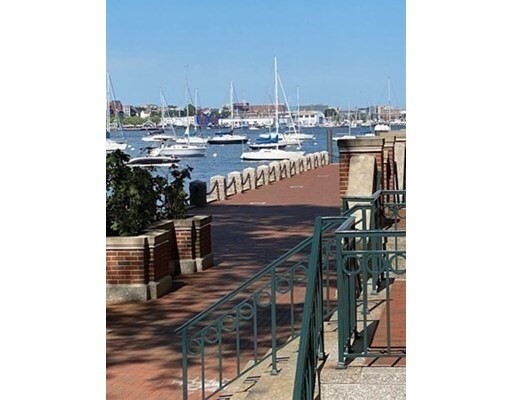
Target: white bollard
point(218, 188)
point(273, 170)
point(262, 175)
point(248, 179)
point(234, 183)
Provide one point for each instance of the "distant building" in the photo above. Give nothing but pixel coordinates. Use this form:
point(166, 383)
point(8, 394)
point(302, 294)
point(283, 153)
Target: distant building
point(262, 111)
point(313, 107)
point(116, 107)
point(127, 110)
point(310, 118)
point(145, 113)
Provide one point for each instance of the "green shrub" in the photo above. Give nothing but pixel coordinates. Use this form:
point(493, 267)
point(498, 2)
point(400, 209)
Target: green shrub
point(135, 198)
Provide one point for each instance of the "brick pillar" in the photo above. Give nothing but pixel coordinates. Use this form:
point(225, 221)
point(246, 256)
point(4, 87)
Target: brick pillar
point(193, 239)
point(358, 146)
point(159, 247)
point(203, 254)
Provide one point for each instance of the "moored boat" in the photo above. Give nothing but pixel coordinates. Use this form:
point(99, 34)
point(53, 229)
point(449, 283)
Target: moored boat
point(146, 159)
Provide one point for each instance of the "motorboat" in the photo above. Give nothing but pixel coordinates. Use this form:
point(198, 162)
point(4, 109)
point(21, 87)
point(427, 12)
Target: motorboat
point(146, 159)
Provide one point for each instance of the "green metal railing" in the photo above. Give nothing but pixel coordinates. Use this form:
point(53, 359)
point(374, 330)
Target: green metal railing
point(356, 262)
point(250, 324)
point(367, 250)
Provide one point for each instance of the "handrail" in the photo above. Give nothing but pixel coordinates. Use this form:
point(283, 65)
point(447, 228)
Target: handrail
point(361, 255)
point(235, 312)
point(258, 275)
point(311, 345)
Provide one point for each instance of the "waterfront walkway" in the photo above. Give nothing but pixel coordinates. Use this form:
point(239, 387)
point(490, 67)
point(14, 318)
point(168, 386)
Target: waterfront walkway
point(249, 231)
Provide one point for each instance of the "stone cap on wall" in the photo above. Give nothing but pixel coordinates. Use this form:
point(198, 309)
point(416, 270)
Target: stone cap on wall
point(398, 134)
point(198, 220)
point(360, 144)
point(126, 242)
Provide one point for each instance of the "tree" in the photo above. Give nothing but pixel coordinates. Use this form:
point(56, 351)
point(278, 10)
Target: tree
point(191, 110)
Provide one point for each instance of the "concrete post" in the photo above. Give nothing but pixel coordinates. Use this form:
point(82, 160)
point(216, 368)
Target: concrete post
point(302, 164)
point(284, 168)
point(248, 179)
point(262, 175)
point(218, 187)
point(309, 162)
point(293, 167)
point(274, 174)
point(234, 183)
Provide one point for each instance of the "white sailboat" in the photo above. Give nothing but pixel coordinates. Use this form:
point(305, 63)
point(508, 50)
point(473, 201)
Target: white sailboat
point(273, 153)
point(184, 148)
point(112, 145)
point(382, 127)
point(296, 134)
point(162, 135)
point(229, 137)
point(187, 137)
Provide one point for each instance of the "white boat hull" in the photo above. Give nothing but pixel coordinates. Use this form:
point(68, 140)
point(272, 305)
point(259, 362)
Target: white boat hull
point(270, 154)
point(180, 150)
point(192, 140)
point(158, 138)
point(112, 145)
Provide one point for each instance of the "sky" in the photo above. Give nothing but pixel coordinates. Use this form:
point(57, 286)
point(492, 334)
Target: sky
point(333, 52)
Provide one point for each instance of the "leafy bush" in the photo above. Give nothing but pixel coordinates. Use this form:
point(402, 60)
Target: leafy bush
point(135, 197)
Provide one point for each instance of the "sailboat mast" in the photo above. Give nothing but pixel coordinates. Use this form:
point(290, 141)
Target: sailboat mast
point(186, 92)
point(298, 109)
point(276, 93)
point(231, 105)
point(161, 108)
point(389, 102)
point(108, 104)
point(195, 107)
point(349, 121)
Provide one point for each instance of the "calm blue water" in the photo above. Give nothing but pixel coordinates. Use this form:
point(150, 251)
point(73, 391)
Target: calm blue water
point(222, 159)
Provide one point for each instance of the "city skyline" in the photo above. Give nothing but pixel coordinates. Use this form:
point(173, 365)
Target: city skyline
point(337, 54)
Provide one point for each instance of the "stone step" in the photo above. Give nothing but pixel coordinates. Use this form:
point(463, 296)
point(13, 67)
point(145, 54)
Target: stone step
point(259, 383)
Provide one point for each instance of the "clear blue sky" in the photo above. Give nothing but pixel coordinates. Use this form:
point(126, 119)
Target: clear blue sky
point(337, 52)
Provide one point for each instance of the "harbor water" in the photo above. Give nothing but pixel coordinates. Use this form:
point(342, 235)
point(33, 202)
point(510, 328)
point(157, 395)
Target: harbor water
point(223, 159)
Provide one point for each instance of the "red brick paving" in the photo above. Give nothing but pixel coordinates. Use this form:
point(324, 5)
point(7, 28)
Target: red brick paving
point(397, 319)
point(143, 354)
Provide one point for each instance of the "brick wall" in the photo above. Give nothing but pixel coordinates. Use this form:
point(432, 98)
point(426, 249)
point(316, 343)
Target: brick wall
point(126, 266)
point(148, 261)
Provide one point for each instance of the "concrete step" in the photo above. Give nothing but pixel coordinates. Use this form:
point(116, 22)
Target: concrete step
point(260, 384)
